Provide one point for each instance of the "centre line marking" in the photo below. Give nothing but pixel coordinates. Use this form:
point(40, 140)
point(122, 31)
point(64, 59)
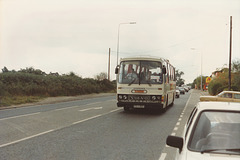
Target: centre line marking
point(66, 108)
point(20, 116)
point(23, 139)
point(87, 119)
point(82, 110)
point(115, 110)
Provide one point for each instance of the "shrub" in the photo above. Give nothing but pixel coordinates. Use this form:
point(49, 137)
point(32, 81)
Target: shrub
point(214, 87)
point(32, 82)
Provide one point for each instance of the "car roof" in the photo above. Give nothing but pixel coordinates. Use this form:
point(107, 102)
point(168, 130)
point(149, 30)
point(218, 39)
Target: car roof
point(226, 106)
point(236, 92)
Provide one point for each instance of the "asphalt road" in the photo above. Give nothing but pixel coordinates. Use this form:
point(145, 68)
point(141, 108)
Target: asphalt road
point(91, 129)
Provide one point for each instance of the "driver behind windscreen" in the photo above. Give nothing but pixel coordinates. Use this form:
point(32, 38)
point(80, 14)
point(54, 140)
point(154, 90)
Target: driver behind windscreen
point(132, 74)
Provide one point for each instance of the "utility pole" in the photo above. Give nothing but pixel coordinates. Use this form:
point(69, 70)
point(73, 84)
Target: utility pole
point(109, 64)
point(230, 56)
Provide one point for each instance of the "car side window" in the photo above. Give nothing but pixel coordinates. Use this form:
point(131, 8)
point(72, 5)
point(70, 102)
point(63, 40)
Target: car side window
point(189, 122)
point(227, 95)
point(237, 96)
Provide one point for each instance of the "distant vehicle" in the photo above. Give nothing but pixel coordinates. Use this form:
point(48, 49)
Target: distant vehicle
point(226, 96)
point(145, 82)
point(211, 133)
point(177, 92)
point(182, 90)
point(186, 89)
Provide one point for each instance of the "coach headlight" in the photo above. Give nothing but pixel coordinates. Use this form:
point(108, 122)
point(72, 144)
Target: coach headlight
point(120, 97)
point(154, 98)
point(125, 97)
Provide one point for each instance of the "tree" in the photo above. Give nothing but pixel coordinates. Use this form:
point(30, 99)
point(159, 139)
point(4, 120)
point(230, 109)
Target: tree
point(236, 66)
point(5, 69)
point(197, 82)
point(179, 81)
point(101, 76)
point(31, 70)
point(220, 83)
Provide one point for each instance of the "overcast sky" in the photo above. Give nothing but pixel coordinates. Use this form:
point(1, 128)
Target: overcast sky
point(75, 35)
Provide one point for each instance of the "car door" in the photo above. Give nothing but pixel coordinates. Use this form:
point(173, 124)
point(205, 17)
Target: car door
point(236, 97)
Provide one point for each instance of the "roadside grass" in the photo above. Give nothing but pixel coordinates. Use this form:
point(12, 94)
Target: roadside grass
point(16, 100)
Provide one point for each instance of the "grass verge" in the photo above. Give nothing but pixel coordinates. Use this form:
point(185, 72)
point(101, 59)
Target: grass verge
point(15, 100)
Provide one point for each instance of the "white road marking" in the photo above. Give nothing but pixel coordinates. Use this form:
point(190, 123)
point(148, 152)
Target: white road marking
point(87, 119)
point(23, 139)
point(187, 103)
point(82, 110)
point(77, 106)
point(66, 108)
point(24, 115)
point(173, 134)
point(163, 156)
point(42, 133)
point(114, 110)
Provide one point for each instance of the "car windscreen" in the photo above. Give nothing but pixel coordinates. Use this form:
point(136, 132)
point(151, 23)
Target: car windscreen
point(217, 132)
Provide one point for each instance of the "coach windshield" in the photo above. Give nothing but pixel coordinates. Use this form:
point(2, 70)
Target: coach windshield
point(140, 72)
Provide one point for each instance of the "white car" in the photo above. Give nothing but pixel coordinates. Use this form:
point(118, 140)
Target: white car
point(225, 96)
point(177, 93)
point(212, 132)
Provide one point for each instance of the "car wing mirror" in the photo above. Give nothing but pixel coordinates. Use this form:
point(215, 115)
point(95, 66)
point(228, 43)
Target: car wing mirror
point(176, 142)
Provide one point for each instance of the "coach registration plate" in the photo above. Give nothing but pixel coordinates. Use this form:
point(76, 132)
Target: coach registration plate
point(138, 106)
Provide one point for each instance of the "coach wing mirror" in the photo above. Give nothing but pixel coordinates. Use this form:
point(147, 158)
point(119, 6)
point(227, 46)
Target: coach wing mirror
point(175, 141)
point(164, 70)
point(117, 69)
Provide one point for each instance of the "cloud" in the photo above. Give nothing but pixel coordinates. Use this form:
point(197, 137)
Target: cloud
point(63, 36)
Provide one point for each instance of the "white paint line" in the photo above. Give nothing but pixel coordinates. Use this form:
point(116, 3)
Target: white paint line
point(82, 110)
point(23, 139)
point(175, 128)
point(187, 102)
point(181, 115)
point(167, 146)
point(178, 123)
point(115, 110)
point(31, 114)
point(173, 134)
point(87, 119)
point(163, 156)
point(87, 109)
point(66, 108)
point(98, 108)
point(42, 133)
point(76, 106)
point(179, 119)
